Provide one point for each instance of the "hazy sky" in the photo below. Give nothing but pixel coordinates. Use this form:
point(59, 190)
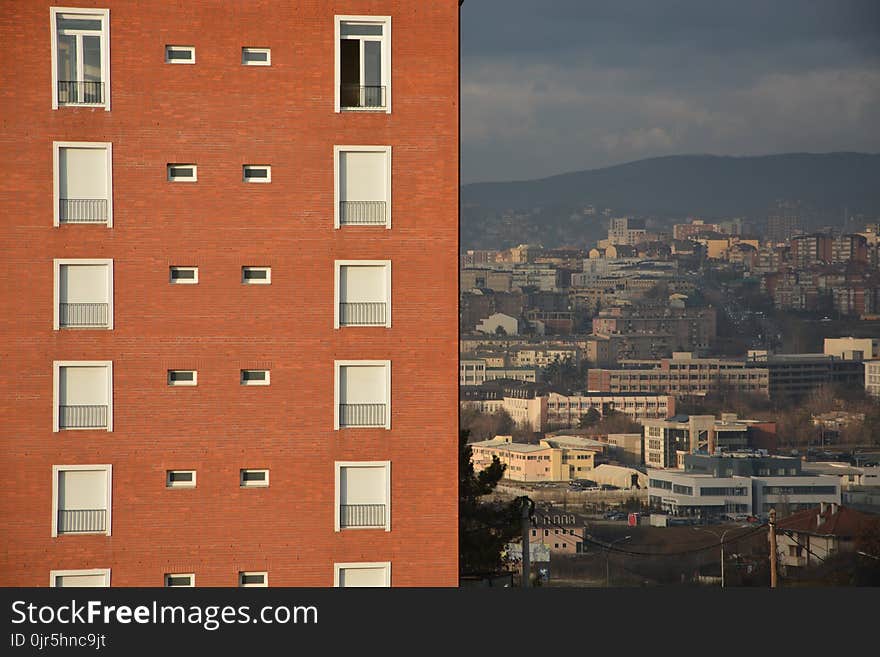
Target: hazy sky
point(549, 86)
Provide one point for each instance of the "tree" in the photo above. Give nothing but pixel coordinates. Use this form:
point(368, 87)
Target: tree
point(589, 419)
point(499, 330)
point(485, 527)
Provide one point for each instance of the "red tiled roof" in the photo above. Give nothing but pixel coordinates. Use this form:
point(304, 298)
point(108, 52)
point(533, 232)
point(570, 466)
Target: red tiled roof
point(845, 522)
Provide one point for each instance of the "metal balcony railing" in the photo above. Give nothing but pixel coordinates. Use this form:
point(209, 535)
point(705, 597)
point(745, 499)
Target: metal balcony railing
point(353, 95)
point(362, 313)
point(82, 210)
point(80, 92)
point(362, 415)
point(81, 521)
point(84, 314)
point(362, 213)
point(361, 515)
point(82, 416)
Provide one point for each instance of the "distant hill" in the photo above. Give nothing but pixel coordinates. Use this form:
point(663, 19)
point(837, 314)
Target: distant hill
point(708, 186)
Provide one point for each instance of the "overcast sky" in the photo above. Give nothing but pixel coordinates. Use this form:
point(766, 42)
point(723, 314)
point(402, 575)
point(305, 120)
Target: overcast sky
point(550, 86)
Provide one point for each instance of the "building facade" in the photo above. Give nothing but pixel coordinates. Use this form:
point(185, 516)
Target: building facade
point(226, 334)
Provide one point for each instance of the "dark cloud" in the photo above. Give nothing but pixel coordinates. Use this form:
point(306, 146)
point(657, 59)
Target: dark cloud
point(561, 85)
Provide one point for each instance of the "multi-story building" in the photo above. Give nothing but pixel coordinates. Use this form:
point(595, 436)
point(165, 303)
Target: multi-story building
point(561, 458)
point(210, 354)
point(566, 411)
point(626, 230)
point(784, 220)
point(872, 378)
point(688, 329)
point(668, 440)
point(853, 348)
point(475, 372)
point(693, 229)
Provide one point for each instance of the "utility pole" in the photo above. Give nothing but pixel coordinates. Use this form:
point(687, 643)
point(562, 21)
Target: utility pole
point(526, 544)
point(772, 548)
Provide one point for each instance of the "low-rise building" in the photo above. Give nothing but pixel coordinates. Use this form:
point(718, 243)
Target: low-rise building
point(562, 458)
point(566, 411)
point(811, 536)
point(853, 348)
point(499, 323)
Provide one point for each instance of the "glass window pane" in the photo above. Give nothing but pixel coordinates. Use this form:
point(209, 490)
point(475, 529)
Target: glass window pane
point(80, 23)
point(353, 29)
point(256, 173)
point(92, 58)
point(372, 63)
point(67, 58)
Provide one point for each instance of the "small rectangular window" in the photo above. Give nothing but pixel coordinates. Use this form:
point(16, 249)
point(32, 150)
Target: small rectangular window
point(256, 275)
point(180, 54)
point(257, 173)
point(180, 579)
point(182, 173)
point(180, 479)
point(182, 377)
point(256, 56)
point(253, 580)
point(253, 478)
point(255, 377)
point(184, 275)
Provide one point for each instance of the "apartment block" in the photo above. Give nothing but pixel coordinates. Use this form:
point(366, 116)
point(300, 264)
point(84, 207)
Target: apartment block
point(236, 256)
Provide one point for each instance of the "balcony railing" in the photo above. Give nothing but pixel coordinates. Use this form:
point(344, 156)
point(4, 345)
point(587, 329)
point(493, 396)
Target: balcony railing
point(82, 210)
point(82, 416)
point(361, 515)
point(362, 415)
point(80, 92)
point(81, 521)
point(362, 313)
point(362, 213)
point(84, 314)
point(353, 95)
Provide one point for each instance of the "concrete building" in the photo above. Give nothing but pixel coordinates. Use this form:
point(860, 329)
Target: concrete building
point(809, 537)
point(562, 533)
point(566, 411)
point(491, 279)
point(693, 229)
point(626, 230)
point(625, 447)
point(561, 458)
point(853, 348)
point(872, 378)
point(667, 439)
point(210, 361)
point(491, 325)
point(701, 495)
point(683, 329)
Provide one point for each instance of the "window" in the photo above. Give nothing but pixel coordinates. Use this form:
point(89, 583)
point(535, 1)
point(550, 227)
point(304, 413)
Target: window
point(95, 577)
point(253, 580)
point(254, 377)
point(182, 377)
point(363, 495)
point(182, 172)
point(253, 478)
point(363, 63)
point(183, 275)
point(350, 575)
point(180, 479)
point(362, 177)
point(180, 55)
point(256, 275)
point(362, 394)
point(257, 173)
point(82, 183)
point(83, 395)
point(81, 499)
point(83, 294)
point(256, 56)
point(363, 293)
point(180, 579)
point(80, 57)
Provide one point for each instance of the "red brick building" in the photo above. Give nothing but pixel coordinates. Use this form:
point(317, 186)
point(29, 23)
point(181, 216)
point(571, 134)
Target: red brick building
point(214, 376)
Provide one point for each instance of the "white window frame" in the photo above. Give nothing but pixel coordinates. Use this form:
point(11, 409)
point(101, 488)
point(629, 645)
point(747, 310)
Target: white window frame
point(258, 181)
point(343, 363)
point(56, 392)
point(182, 484)
point(183, 281)
point(365, 564)
point(337, 492)
point(245, 484)
point(171, 165)
point(73, 573)
point(57, 469)
point(105, 52)
point(171, 46)
point(243, 573)
point(337, 265)
point(56, 295)
point(184, 383)
point(244, 382)
point(337, 149)
point(192, 581)
point(250, 49)
point(386, 60)
point(56, 175)
point(256, 281)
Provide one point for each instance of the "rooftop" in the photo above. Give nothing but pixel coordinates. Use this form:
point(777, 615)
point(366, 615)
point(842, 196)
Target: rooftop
point(831, 520)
